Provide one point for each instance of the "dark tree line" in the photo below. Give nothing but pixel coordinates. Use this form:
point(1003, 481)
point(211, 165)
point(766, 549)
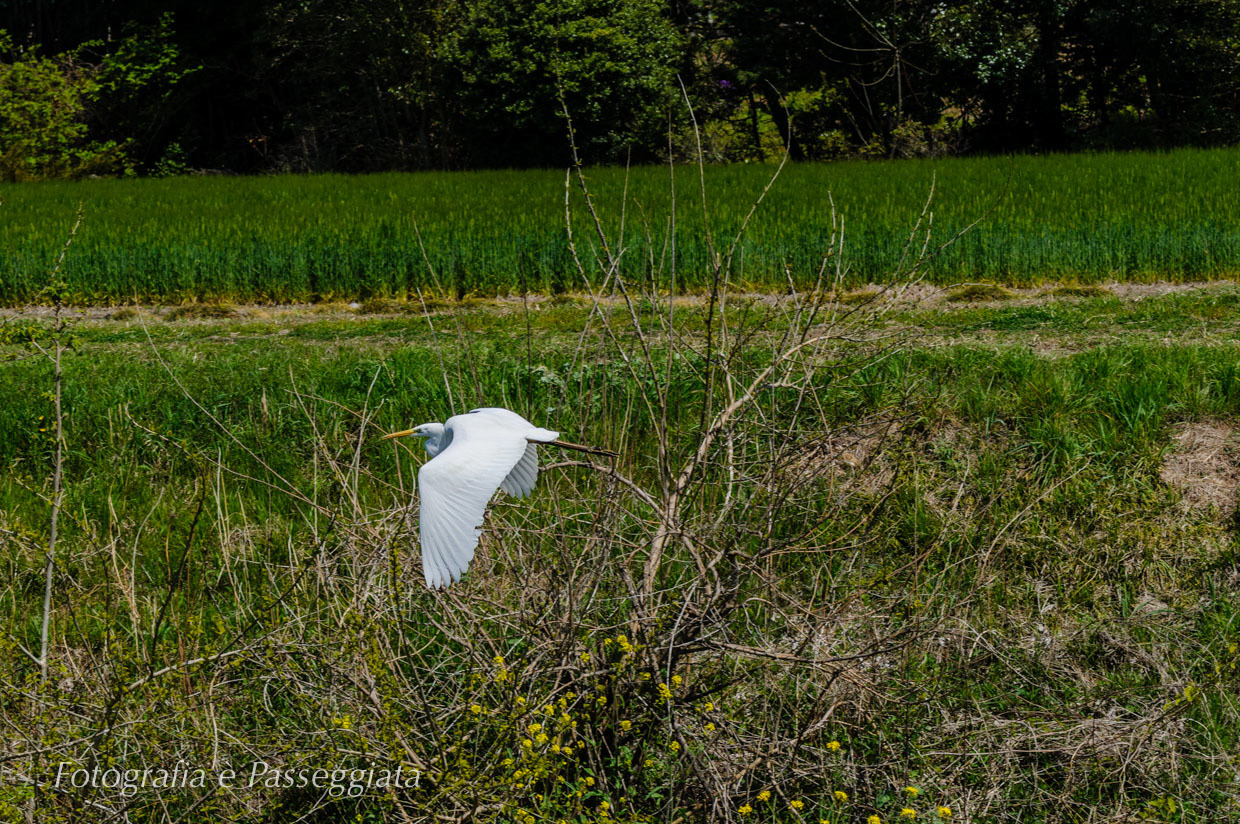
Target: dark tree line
point(314, 85)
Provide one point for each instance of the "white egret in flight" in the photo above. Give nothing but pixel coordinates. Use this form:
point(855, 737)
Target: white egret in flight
point(471, 456)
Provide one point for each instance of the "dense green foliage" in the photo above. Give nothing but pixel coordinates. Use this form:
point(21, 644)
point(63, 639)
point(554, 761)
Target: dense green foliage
point(324, 85)
point(42, 123)
point(79, 113)
point(1085, 217)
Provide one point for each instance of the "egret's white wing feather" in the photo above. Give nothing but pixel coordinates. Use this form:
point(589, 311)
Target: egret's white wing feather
point(520, 481)
point(455, 487)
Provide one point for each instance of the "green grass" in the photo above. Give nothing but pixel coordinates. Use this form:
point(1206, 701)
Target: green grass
point(1085, 218)
point(1005, 543)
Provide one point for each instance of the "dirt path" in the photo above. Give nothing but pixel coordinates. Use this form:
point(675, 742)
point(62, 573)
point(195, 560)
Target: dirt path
point(930, 316)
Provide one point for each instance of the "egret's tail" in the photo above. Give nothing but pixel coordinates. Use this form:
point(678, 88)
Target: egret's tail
point(538, 435)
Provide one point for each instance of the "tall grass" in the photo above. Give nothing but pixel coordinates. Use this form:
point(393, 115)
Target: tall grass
point(1005, 607)
point(1088, 217)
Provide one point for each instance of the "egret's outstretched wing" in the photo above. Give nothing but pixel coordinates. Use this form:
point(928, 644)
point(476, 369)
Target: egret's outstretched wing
point(520, 481)
point(455, 487)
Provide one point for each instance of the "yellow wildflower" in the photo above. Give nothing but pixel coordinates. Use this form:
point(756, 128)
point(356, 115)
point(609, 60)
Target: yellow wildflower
point(765, 795)
point(708, 707)
point(833, 746)
point(520, 701)
point(674, 746)
point(534, 728)
point(626, 725)
point(677, 680)
point(745, 810)
point(475, 709)
point(945, 812)
point(840, 796)
point(589, 781)
point(796, 804)
point(528, 744)
point(709, 728)
point(499, 660)
point(909, 813)
point(604, 806)
point(912, 792)
point(873, 820)
point(542, 738)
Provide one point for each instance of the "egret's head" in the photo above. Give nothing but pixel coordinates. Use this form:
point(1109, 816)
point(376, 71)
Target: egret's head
point(422, 430)
point(432, 435)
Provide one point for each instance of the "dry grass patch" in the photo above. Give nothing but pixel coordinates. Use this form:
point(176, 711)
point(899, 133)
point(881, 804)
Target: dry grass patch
point(1079, 290)
point(202, 311)
point(1204, 464)
point(976, 292)
point(859, 296)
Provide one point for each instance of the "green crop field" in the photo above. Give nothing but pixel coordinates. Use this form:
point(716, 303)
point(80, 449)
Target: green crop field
point(1082, 217)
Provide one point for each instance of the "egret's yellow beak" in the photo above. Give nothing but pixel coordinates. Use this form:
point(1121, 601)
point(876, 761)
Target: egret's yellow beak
point(401, 434)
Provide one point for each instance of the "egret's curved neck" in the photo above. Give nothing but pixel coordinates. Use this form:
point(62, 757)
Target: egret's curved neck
point(438, 440)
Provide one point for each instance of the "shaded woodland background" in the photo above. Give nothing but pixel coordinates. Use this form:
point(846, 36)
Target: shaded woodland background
point(90, 87)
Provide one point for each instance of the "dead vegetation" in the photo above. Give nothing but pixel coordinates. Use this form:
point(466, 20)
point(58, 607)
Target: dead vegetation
point(1203, 464)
